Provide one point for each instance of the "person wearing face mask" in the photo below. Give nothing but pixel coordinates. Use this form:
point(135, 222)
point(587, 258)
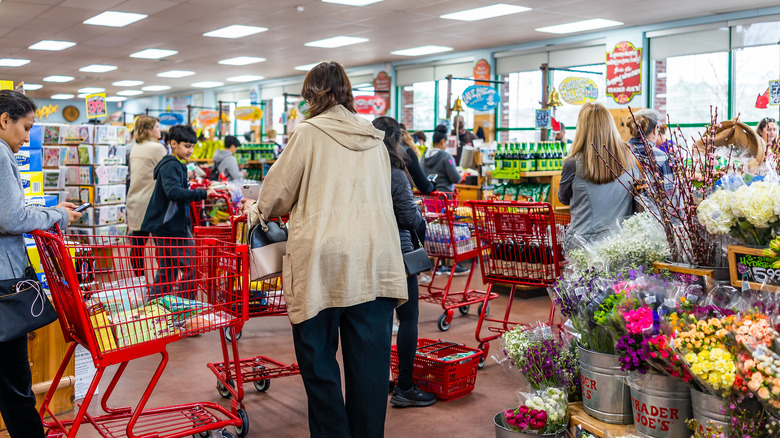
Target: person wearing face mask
point(648, 122)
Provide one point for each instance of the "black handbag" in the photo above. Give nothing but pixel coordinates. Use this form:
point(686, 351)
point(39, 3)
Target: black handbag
point(417, 260)
point(24, 306)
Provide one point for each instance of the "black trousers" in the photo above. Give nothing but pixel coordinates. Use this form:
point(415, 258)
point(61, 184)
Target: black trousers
point(17, 401)
point(137, 251)
point(174, 255)
point(406, 339)
point(365, 332)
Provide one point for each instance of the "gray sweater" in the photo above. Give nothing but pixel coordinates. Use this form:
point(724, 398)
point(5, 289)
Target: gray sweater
point(226, 163)
point(16, 219)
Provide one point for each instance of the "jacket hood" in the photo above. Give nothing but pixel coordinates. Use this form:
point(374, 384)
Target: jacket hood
point(219, 155)
point(347, 129)
point(432, 156)
point(164, 162)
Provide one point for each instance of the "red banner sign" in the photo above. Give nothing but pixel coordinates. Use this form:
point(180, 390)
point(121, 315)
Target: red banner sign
point(370, 105)
point(482, 71)
point(382, 87)
point(624, 72)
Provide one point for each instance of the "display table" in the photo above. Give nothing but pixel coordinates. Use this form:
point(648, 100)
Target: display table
point(592, 425)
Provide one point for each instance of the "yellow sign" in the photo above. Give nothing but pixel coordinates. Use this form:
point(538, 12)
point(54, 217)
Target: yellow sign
point(208, 117)
point(45, 111)
point(578, 91)
point(248, 113)
point(96, 105)
point(6, 85)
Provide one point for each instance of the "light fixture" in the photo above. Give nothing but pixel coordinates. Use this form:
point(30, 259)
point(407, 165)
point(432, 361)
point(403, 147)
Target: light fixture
point(82, 95)
point(13, 62)
point(485, 12)
point(352, 2)
point(153, 53)
point(579, 26)
point(115, 99)
point(58, 78)
point(98, 68)
point(31, 87)
point(245, 78)
point(129, 92)
point(337, 41)
point(62, 96)
point(175, 74)
point(307, 67)
point(114, 19)
point(241, 60)
point(207, 84)
point(235, 31)
point(156, 87)
point(51, 45)
point(422, 50)
point(90, 90)
point(127, 83)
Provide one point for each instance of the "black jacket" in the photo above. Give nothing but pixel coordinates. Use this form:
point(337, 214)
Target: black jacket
point(423, 184)
point(168, 214)
point(407, 216)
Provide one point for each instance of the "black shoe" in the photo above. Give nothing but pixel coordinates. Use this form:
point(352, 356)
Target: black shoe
point(414, 397)
point(460, 270)
point(443, 270)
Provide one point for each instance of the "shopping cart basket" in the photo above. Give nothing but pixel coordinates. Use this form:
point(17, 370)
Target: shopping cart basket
point(450, 235)
point(265, 299)
point(521, 243)
point(118, 316)
point(214, 210)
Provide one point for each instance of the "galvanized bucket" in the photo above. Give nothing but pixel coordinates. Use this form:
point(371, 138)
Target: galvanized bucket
point(604, 395)
point(709, 410)
point(504, 432)
point(661, 406)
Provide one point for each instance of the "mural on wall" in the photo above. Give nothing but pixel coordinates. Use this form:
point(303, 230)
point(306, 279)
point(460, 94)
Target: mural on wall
point(382, 89)
point(624, 72)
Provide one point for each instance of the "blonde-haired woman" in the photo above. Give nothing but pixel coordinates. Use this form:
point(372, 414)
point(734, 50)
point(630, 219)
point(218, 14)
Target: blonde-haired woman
point(589, 185)
point(144, 156)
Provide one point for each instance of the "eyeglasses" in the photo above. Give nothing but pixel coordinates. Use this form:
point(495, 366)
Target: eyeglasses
point(768, 120)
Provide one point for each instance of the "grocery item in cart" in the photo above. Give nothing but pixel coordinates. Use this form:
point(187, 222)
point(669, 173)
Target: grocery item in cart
point(122, 295)
point(98, 318)
point(141, 325)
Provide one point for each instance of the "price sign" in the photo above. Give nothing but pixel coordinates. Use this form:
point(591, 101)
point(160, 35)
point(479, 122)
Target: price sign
point(96, 105)
point(542, 118)
point(751, 264)
point(774, 92)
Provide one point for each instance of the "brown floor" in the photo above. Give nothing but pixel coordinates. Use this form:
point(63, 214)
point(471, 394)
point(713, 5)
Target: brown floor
point(281, 411)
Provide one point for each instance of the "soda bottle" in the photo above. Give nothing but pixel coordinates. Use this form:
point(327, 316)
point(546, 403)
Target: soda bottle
point(541, 159)
point(497, 157)
point(531, 156)
point(550, 157)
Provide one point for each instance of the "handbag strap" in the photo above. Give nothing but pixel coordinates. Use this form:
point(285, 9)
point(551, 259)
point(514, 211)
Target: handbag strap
point(415, 238)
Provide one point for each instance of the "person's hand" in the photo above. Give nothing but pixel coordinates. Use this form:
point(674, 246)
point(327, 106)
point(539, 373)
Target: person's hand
point(66, 205)
point(246, 205)
point(211, 192)
point(72, 216)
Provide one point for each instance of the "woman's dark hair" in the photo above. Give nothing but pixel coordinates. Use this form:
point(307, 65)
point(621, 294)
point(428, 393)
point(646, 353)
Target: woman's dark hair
point(761, 125)
point(420, 136)
point(325, 86)
point(16, 104)
point(230, 141)
point(398, 158)
point(439, 134)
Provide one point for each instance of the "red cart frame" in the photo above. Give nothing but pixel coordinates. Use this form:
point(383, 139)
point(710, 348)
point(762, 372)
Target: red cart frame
point(206, 211)
point(104, 308)
point(521, 243)
point(450, 235)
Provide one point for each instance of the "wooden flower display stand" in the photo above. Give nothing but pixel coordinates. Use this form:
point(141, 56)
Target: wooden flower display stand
point(580, 418)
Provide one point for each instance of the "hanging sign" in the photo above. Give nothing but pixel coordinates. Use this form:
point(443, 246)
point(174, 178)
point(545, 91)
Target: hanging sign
point(96, 105)
point(171, 119)
point(578, 91)
point(370, 105)
point(253, 96)
point(382, 85)
point(774, 92)
point(481, 97)
point(6, 85)
point(208, 117)
point(482, 71)
point(624, 72)
point(542, 118)
point(45, 111)
point(248, 113)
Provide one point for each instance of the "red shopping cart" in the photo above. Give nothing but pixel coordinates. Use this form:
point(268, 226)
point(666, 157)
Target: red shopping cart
point(214, 210)
point(118, 316)
point(520, 243)
point(450, 235)
point(265, 298)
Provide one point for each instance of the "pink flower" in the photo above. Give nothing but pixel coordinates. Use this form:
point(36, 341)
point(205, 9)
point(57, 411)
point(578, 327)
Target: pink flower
point(522, 410)
point(638, 320)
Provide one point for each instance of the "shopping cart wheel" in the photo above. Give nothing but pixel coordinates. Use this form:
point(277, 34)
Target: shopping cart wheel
point(262, 385)
point(483, 358)
point(487, 309)
point(226, 434)
point(222, 389)
point(54, 434)
point(464, 310)
point(230, 338)
point(442, 323)
point(242, 430)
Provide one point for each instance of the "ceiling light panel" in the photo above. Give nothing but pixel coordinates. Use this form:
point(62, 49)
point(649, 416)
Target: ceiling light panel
point(337, 41)
point(91, 90)
point(13, 62)
point(115, 19)
point(579, 26)
point(129, 92)
point(352, 2)
point(153, 53)
point(207, 84)
point(156, 88)
point(306, 67)
point(422, 50)
point(52, 45)
point(58, 78)
point(115, 99)
point(242, 60)
point(62, 96)
point(235, 31)
point(98, 68)
point(175, 74)
point(485, 12)
point(127, 83)
point(245, 78)
point(82, 95)
point(31, 87)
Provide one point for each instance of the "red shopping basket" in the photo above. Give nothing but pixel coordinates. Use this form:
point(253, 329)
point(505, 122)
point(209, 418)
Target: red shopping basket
point(118, 315)
point(446, 369)
point(214, 210)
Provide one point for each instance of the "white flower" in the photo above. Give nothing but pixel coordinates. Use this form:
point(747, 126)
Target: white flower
point(715, 212)
point(756, 203)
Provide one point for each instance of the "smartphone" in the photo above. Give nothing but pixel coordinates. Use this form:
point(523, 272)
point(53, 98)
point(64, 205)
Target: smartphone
point(432, 177)
point(251, 191)
point(82, 207)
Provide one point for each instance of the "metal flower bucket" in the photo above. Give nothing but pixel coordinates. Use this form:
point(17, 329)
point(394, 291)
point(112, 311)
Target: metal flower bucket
point(605, 396)
point(502, 431)
point(709, 410)
point(661, 405)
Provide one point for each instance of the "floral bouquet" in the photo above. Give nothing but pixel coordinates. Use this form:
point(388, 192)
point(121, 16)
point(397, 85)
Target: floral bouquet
point(703, 345)
point(543, 413)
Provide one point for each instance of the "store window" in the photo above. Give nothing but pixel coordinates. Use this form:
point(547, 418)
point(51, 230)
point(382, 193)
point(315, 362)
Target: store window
point(458, 87)
point(568, 112)
point(756, 62)
point(417, 104)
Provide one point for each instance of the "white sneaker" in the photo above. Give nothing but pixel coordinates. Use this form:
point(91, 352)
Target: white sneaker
point(423, 279)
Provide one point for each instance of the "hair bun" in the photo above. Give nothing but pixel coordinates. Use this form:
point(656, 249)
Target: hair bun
point(441, 128)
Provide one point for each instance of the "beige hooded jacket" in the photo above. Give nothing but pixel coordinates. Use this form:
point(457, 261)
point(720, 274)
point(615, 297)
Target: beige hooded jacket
point(343, 248)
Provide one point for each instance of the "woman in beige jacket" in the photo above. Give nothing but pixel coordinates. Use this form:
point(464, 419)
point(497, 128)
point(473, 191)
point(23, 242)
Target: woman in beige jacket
point(144, 156)
point(343, 272)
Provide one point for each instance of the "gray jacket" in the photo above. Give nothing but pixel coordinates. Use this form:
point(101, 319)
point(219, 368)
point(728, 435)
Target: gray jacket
point(16, 219)
point(226, 163)
point(440, 162)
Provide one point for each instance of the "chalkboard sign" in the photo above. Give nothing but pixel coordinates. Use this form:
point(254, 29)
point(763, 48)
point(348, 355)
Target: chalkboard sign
point(542, 118)
point(751, 262)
